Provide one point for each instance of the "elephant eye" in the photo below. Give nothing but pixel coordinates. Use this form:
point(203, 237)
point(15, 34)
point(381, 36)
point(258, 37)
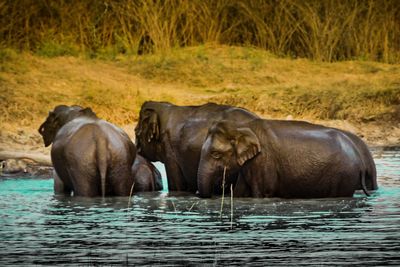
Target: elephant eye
point(216, 155)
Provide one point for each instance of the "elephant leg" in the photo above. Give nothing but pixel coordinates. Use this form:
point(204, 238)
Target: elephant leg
point(122, 182)
point(174, 173)
point(174, 176)
point(59, 187)
point(241, 188)
point(85, 182)
point(347, 184)
point(260, 186)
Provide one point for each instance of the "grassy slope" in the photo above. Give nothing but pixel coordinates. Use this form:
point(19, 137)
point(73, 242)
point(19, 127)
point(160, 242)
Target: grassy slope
point(356, 91)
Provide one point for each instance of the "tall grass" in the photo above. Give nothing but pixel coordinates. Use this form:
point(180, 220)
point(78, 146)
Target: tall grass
point(328, 30)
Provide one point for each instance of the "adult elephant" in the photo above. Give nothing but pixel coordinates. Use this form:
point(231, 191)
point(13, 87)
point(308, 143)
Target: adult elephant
point(366, 156)
point(289, 159)
point(91, 157)
point(174, 135)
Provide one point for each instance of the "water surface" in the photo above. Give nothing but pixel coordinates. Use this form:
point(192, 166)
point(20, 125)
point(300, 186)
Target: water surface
point(38, 228)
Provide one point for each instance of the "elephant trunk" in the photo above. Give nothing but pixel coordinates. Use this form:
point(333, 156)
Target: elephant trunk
point(205, 186)
point(205, 183)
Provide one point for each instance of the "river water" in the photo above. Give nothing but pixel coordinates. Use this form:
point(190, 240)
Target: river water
point(155, 229)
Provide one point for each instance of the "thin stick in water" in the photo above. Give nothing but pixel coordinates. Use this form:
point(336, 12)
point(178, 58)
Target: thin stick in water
point(130, 195)
point(231, 206)
point(223, 193)
point(173, 204)
point(195, 203)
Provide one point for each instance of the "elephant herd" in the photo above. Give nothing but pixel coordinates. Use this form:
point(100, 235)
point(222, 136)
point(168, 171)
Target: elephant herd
point(203, 149)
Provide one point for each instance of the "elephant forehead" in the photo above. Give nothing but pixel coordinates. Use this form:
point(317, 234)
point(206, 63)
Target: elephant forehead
point(218, 143)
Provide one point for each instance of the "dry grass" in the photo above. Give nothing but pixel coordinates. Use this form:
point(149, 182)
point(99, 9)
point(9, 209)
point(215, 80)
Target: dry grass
point(31, 86)
point(275, 87)
point(328, 30)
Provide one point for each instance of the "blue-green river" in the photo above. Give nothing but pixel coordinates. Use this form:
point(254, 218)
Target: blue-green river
point(155, 229)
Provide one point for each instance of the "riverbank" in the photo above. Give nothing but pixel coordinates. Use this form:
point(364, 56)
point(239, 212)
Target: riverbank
point(26, 144)
point(359, 96)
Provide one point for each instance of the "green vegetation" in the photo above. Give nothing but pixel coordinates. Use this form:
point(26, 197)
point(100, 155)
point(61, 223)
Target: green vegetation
point(359, 91)
point(329, 30)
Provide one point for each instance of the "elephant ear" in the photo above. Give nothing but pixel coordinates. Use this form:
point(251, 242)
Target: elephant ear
point(247, 145)
point(150, 123)
point(49, 128)
point(87, 112)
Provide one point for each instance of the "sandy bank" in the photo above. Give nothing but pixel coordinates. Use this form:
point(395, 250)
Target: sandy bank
point(33, 159)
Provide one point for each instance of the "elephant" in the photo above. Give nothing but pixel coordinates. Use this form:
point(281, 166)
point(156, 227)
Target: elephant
point(174, 135)
point(91, 157)
point(147, 177)
point(287, 159)
point(366, 156)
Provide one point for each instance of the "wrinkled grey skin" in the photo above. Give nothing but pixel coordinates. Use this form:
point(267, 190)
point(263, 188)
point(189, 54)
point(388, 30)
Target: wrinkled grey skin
point(147, 177)
point(91, 157)
point(366, 157)
point(174, 135)
point(288, 159)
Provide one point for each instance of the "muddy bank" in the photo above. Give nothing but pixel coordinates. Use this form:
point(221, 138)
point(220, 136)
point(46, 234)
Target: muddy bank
point(22, 152)
point(12, 168)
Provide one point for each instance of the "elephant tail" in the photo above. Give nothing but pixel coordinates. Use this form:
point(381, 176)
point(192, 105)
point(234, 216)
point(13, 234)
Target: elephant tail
point(102, 163)
point(363, 185)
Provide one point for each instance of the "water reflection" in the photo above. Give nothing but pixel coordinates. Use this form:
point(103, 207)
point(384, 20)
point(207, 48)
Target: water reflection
point(38, 228)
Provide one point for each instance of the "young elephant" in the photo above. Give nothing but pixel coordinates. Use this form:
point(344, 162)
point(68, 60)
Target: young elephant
point(289, 159)
point(174, 135)
point(147, 177)
point(91, 157)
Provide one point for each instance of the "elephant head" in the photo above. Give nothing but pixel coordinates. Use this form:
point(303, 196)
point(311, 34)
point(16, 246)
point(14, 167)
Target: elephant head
point(226, 148)
point(58, 118)
point(147, 132)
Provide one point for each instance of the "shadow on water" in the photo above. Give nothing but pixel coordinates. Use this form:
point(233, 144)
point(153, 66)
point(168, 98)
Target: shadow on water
point(38, 228)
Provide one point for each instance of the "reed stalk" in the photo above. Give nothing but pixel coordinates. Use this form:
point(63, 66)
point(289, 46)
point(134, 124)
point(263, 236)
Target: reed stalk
point(130, 195)
point(223, 193)
point(231, 206)
point(173, 204)
point(191, 207)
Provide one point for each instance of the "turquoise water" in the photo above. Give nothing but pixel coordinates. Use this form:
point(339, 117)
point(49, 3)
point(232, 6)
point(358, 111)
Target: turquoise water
point(38, 228)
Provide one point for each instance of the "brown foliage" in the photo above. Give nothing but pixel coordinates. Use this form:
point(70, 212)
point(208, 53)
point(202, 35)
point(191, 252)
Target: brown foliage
point(321, 30)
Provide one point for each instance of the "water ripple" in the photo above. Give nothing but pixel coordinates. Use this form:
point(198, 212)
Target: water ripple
point(38, 228)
